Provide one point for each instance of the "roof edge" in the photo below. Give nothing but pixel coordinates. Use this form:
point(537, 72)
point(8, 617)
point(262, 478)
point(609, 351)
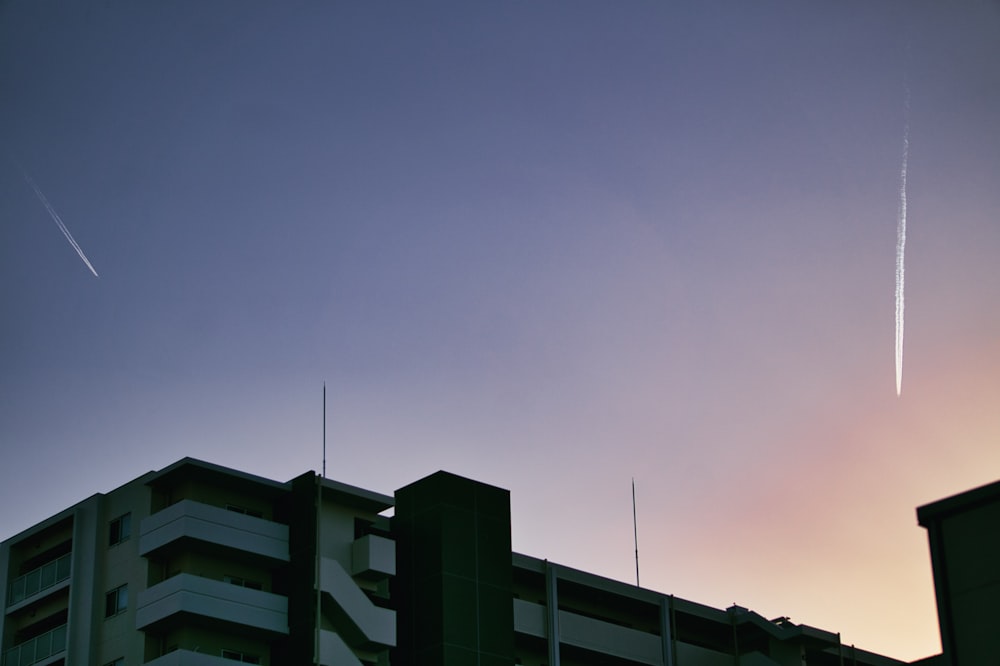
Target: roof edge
point(960, 502)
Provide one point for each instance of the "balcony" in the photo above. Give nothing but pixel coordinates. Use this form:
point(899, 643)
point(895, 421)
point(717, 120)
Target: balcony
point(41, 649)
point(213, 525)
point(591, 634)
point(37, 581)
point(189, 658)
point(332, 649)
point(607, 638)
point(213, 599)
point(530, 618)
point(373, 557)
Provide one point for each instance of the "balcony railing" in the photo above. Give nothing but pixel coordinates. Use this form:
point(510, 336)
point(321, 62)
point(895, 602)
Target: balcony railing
point(37, 649)
point(192, 595)
point(188, 519)
point(36, 580)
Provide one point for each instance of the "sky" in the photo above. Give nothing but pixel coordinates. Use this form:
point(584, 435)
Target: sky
point(549, 245)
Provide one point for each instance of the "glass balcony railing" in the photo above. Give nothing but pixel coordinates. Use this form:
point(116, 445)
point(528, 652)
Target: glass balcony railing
point(39, 579)
point(37, 649)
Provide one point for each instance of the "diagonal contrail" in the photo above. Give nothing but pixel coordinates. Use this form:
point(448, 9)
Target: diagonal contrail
point(901, 242)
point(58, 220)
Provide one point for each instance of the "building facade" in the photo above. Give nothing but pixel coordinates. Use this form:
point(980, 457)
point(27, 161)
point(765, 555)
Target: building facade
point(201, 565)
point(964, 535)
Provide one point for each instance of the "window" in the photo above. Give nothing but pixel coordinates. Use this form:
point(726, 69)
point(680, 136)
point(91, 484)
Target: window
point(243, 582)
point(245, 511)
point(120, 661)
point(116, 601)
point(240, 656)
point(120, 529)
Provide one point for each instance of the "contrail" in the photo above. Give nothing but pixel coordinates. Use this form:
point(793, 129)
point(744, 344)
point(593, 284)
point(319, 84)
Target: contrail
point(901, 242)
point(58, 220)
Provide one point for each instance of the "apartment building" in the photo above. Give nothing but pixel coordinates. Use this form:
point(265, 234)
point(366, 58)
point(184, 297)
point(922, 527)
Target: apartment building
point(201, 565)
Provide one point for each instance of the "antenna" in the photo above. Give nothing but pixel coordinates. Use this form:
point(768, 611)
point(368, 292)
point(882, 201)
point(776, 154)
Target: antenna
point(324, 430)
point(635, 534)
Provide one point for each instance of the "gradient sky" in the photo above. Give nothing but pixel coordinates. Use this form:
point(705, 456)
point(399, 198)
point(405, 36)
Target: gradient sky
point(550, 245)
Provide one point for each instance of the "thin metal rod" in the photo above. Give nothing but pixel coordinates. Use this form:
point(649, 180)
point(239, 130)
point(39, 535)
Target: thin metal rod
point(635, 534)
point(324, 430)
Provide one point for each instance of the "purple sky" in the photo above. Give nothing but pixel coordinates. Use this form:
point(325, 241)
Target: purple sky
point(548, 245)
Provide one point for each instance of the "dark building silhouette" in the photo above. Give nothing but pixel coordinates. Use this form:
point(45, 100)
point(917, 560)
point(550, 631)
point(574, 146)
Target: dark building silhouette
point(964, 535)
point(201, 565)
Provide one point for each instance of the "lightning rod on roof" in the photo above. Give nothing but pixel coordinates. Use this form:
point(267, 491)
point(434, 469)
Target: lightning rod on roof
point(324, 430)
point(635, 534)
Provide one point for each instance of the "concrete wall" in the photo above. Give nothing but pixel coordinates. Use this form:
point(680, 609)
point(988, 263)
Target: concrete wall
point(453, 582)
point(119, 564)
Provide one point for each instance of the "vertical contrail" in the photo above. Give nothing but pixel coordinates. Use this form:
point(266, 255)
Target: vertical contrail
point(901, 241)
point(58, 220)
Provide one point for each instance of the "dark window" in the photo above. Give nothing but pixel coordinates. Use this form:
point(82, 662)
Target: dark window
point(120, 661)
point(116, 601)
point(240, 656)
point(245, 511)
point(120, 529)
point(243, 582)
